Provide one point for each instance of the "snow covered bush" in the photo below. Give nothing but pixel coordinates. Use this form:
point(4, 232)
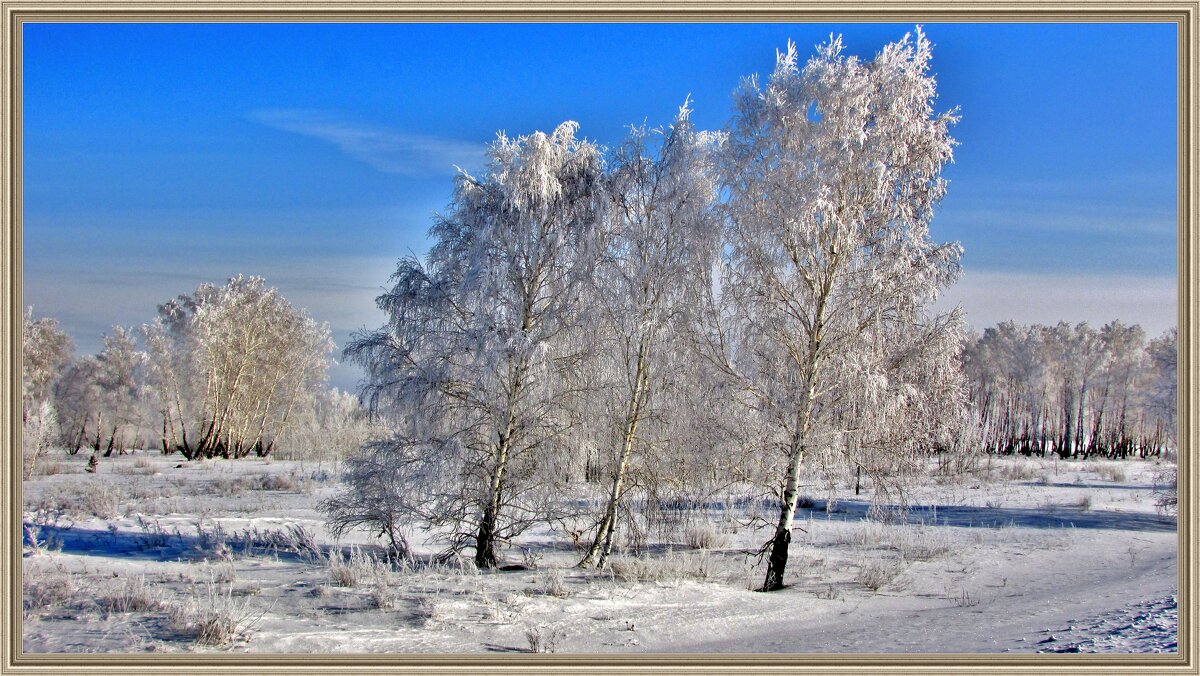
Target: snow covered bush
point(47, 588)
point(355, 569)
point(130, 595)
point(705, 535)
point(877, 574)
point(544, 639)
point(1166, 489)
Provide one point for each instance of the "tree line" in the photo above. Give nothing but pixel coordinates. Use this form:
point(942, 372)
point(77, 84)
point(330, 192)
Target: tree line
point(1074, 391)
point(227, 371)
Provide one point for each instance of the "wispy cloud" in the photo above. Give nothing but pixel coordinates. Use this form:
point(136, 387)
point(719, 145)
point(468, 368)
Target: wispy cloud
point(388, 150)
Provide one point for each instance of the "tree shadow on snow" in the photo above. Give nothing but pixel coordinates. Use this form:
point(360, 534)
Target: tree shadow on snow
point(169, 546)
point(495, 648)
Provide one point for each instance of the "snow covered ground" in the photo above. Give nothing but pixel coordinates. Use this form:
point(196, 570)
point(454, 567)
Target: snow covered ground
point(154, 554)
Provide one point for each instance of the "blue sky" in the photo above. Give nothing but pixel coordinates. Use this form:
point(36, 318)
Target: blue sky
point(158, 156)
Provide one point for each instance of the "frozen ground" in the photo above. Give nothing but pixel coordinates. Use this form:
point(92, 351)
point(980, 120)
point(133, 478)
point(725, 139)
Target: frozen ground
point(154, 554)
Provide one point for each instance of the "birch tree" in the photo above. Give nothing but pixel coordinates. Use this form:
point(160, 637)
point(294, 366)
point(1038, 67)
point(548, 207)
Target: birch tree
point(663, 237)
point(1008, 377)
point(119, 383)
point(77, 398)
point(1116, 405)
point(481, 354)
point(328, 427)
point(832, 172)
point(1162, 387)
point(45, 354)
point(229, 366)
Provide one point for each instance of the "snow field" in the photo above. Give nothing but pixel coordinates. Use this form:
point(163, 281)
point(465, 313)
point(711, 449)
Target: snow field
point(154, 555)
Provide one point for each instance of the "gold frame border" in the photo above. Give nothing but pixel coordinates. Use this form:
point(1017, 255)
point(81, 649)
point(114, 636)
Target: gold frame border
point(13, 14)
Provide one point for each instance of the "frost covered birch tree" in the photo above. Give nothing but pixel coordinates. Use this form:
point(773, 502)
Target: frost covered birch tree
point(479, 359)
point(1161, 390)
point(119, 381)
point(662, 241)
point(45, 354)
point(230, 364)
point(832, 173)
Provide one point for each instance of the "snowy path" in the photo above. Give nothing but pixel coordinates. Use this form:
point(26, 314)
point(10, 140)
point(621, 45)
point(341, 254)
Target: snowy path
point(1096, 578)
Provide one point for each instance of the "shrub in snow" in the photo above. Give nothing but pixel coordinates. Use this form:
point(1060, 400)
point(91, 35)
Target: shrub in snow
point(215, 616)
point(876, 574)
point(1166, 490)
point(153, 535)
point(212, 542)
point(132, 595)
point(544, 640)
point(293, 539)
point(1112, 472)
point(429, 611)
point(705, 535)
point(51, 588)
point(352, 570)
point(99, 497)
point(381, 595)
point(552, 583)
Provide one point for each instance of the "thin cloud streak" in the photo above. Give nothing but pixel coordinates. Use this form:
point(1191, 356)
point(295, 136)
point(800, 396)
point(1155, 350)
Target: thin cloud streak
point(388, 150)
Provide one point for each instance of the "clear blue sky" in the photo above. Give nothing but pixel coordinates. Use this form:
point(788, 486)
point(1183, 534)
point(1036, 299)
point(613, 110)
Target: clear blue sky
point(159, 156)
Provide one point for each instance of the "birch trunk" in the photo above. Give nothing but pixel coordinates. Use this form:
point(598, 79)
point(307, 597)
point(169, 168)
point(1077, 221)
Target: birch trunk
point(602, 544)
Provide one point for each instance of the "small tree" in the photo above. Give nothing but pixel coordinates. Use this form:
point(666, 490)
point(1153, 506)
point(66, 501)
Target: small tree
point(832, 174)
point(330, 426)
point(1115, 419)
point(77, 396)
point(40, 433)
point(1073, 356)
